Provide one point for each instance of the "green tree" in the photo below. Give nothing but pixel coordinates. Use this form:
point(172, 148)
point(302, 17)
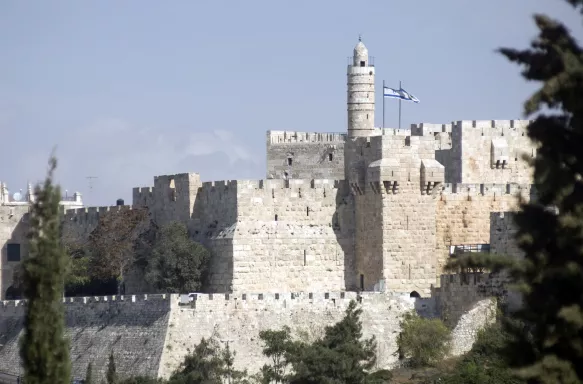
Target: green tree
point(340, 356)
point(176, 263)
point(208, 364)
point(485, 362)
point(89, 374)
point(112, 243)
point(547, 332)
point(111, 370)
point(423, 341)
point(276, 344)
point(44, 348)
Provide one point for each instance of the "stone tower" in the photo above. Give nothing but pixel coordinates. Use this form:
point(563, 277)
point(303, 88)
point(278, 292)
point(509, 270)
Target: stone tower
point(361, 96)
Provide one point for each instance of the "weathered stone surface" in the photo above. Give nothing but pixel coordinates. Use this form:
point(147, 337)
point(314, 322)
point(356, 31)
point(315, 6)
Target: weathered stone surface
point(150, 335)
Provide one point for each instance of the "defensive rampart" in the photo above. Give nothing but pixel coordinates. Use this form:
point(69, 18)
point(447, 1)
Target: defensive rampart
point(305, 155)
point(295, 232)
point(133, 327)
point(151, 334)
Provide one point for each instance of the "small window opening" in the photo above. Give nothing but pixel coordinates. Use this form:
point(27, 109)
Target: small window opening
point(275, 217)
point(362, 63)
point(362, 282)
point(367, 116)
point(330, 157)
point(305, 258)
point(415, 294)
point(307, 211)
point(289, 161)
point(13, 252)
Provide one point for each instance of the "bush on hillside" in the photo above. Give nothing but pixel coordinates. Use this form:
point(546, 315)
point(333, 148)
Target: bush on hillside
point(423, 341)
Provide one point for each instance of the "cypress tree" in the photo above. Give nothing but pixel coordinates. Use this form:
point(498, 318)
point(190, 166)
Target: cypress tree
point(547, 344)
point(44, 349)
point(111, 372)
point(89, 374)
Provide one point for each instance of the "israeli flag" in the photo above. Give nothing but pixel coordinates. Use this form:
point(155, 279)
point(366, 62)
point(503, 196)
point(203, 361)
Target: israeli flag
point(399, 94)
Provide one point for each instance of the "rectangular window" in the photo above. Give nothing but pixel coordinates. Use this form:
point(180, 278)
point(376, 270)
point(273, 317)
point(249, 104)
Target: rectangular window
point(289, 161)
point(362, 63)
point(13, 252)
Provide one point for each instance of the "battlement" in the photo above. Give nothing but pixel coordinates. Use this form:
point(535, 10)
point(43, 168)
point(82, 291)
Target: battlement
point(492, 127)
point(18, 306)
point(268, 184)
point(91, 214)
point(485, 189)
point(423, 129)
point(287, 137)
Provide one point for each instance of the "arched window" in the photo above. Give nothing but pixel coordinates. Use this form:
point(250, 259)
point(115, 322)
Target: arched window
point(415, 294)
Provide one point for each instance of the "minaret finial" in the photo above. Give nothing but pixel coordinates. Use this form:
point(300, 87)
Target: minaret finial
point(359, 37)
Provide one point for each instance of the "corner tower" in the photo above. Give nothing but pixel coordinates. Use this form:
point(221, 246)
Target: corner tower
point(361, 97)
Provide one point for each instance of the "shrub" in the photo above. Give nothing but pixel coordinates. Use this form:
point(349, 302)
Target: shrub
point(423, 341)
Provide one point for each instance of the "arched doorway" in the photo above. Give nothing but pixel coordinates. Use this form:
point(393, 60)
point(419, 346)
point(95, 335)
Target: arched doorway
point(415, 294)
point(12, 294)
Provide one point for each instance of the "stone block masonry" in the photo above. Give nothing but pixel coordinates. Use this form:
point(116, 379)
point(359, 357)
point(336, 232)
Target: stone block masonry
point(151, 334)
point(133, 327)
point(305, 155)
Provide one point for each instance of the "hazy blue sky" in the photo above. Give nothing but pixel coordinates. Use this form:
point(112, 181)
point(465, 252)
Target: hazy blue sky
point(128, 90)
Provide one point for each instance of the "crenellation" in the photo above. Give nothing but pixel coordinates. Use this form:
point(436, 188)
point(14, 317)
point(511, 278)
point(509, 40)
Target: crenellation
point(281, 137)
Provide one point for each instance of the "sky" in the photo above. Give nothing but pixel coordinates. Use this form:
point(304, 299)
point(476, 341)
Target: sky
point(127, 90)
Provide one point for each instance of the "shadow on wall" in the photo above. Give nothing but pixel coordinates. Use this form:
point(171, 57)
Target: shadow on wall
point(13, 250)
point(343, 225)
point(213, 223)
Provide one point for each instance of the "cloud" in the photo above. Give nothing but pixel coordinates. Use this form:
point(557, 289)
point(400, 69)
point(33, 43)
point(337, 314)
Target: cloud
point(122, 155)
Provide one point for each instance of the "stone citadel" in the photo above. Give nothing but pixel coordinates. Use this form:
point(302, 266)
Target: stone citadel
point(372, 213)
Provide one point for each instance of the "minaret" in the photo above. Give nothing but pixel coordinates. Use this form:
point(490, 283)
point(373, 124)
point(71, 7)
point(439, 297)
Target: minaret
point(361, 97)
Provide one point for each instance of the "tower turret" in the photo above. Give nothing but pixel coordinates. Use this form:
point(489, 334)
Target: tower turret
point(361, 97)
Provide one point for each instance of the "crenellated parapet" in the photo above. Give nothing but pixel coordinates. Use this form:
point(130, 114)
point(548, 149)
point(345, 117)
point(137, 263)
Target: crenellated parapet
point(290, 137)
point(469, 190)
point(90, 215)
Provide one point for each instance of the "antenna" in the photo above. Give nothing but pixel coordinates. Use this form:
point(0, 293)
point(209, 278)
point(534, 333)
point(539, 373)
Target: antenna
point(90, 179)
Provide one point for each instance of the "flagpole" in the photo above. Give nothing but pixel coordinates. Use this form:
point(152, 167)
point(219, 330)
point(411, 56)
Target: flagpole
point(383, 104)
point(399, 104)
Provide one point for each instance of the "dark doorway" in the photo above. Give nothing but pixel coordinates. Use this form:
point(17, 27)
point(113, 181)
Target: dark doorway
point(415, 294)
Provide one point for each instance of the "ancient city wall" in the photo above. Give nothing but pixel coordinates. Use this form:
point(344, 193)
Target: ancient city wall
point(463, 215)
point(305, 155)
point(393, 179)
point(13, 231)
point(151, 334)
point(503, 230)
point(297, 233)
point(133, 327)
point(466, 303)
point(491, 151)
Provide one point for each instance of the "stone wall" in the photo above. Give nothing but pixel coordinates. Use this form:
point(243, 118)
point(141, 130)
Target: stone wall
point(133, 327)
point(395, 210)
point(151, 334)
point(491, 151)
point(305, 155)
point(13, 230)
point(463, 214)
point(297, 233)
point(503, 230)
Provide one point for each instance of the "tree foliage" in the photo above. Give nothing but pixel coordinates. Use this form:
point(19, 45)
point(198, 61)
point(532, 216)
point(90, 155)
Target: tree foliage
point(276, 345)
point(176, 263)
point(485, 362)
point(44, 348)
point(547, 332)
point(208, 364)
point(423, 341)
point(111, 370)
point(89, 374)
point(112, 242)
point(548, 344)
